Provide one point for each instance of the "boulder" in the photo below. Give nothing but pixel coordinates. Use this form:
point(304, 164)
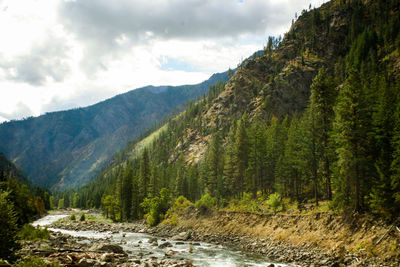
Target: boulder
point(184, 236)
point(86, 262)
point(165, 244)
point(108, 248)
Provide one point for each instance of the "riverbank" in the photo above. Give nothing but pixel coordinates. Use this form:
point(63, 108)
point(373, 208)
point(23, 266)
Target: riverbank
point(319, 239)
point(96, 241)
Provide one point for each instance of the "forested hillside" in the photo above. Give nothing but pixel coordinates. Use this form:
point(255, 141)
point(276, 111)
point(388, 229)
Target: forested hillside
point(68, 148)
point(315, 117)
point(20, 202)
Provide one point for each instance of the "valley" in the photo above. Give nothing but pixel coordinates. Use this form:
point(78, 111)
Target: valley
point(292, 159)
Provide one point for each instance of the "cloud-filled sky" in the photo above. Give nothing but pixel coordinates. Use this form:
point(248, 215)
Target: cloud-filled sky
point(61, 54)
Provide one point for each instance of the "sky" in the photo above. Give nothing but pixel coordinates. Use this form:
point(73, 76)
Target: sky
point(62, 54)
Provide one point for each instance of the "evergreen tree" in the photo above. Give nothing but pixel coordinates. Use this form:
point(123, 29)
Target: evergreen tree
point(395, 166)
point(323, 97)
point(351, 133)
point(214, 167)
point(241, 153)
point(257, 169)
point(144, 175)
point(126, 193)
point(292, 161)
point(229, 164)
point(8, 228)
point(384, 119)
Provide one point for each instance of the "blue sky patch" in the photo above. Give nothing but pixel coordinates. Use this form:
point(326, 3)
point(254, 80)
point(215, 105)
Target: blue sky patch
point(176, 64)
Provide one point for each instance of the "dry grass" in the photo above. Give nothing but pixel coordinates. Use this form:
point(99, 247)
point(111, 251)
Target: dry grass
point(318, 229)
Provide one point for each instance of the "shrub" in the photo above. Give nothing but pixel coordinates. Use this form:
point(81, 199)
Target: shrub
point(82, 218)
point(28, 232)
point(178, 208)
point(72, 217)
point(154, 215)
point(206, 203)
point(34, 262)
point(274, 200)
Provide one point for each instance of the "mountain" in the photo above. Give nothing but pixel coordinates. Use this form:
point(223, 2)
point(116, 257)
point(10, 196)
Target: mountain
point(9, 171)
point(68, 148)
point(315, 116)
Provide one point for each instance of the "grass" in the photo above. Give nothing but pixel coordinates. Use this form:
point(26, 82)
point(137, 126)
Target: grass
point(146, 141)
point(30, 261)
point(97, 217)
point(28, 232)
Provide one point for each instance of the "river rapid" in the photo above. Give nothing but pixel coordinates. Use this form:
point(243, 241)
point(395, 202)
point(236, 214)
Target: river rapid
point(142, 245)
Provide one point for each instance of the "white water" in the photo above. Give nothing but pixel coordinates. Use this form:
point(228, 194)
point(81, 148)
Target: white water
point(137, 245)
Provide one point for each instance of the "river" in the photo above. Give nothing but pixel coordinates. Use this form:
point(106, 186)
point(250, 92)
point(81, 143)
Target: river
point(137, 245)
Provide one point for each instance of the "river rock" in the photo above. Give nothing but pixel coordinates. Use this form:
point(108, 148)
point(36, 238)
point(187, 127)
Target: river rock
point(86, 262)
point(108, 248)
point(107, 257)
point(181, 236)
point(165, 244)
point(153, 241)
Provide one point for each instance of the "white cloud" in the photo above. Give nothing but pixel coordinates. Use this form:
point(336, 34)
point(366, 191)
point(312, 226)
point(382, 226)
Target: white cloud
point(58, 54)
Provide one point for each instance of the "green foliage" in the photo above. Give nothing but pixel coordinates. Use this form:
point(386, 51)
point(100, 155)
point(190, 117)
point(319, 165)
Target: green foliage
point(275, 201)
point(72, 217)
point(61, 204)
point(206, 203)
point(110, 206)
point(351, 128)
point(8, 228)
point(82, 217)
point(28, 232)
point(156, 208)
point(152, 208)
point(30, 261)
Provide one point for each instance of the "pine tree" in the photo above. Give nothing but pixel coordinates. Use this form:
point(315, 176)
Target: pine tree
point(214, 167)
point(8, 228)
point(127, 193)
point(229, 164)
point(256, 170)
point(384, 118)
point(323, 97)
point(292, 160)
point(351, 134)
point(144, 175)
point(395, 166)
point(241, 153)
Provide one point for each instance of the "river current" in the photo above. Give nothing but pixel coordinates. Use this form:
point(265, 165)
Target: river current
point(138, 245)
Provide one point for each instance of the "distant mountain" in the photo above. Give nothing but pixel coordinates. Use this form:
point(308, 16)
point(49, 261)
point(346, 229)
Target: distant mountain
point(9, 171)
point(68, 148)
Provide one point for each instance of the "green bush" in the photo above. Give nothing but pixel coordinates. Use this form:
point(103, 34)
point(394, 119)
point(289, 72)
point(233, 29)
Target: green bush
point(34, 262)
point(28, 232)
point(178, 208)
point(274, 200)
point(206, 203)
point(82, 218)
point(72, 217)
point(155, 208)
point(152, 207)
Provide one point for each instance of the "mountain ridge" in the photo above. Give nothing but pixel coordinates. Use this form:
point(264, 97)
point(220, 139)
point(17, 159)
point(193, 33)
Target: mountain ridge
point(67, 148)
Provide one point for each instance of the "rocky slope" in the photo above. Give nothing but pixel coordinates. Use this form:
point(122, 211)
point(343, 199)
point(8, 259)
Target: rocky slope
point(277, 82)
point(68, 148)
